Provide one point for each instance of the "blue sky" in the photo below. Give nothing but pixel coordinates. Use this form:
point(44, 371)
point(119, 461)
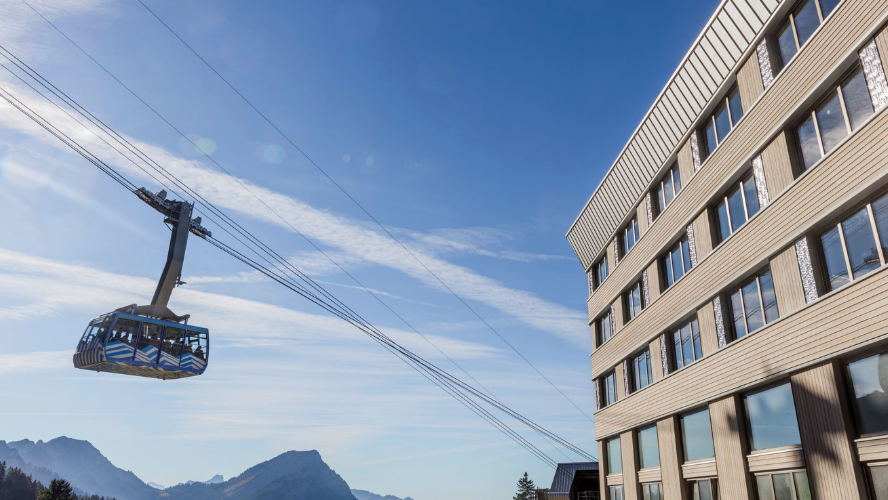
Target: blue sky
point(475, 131)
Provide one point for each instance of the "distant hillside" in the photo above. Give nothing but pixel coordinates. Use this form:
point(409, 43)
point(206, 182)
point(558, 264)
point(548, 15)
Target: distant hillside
point(294, 475)
point(366, 495)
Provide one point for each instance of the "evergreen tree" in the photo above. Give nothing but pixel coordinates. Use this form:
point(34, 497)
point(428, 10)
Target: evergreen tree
point(59, 489)
point(526, 489)
point(16, 485)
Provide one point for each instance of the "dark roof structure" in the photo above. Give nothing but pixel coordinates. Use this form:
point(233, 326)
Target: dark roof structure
point(564, 477)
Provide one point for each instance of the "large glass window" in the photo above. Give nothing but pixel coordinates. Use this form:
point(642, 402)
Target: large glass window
point(753, 305)
point(614, 456)
point(94, 334)
point(609, 389)
point(688, 347)
point(802, 23)
point(652, 491)
point(772, 419)
point(197, 347)
point(604, 328)
point(726, 115)
point(648, 448)
point(868, 378)
point(677, 262)
point(634, 300)
point(667, 189)
point(149, 343)
point(849, 248)
point(843, 110)
point(615, 492)
point(641, 371)
point(630, 236)
point(696, 436)
point(704, 489)
point(783, 486)
point(598, 274)
point(171, 349)
point(736, 206)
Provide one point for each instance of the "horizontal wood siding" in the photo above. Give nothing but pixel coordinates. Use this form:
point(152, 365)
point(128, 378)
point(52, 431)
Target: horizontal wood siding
point(696, 470)
point(602, 484)
point(832, 466)
point(749, 81)
point(656, 359)
point(685, 164)
point(614, 479)
point(787, 281)
point(773, 351)
point(768, 461)
point(822, 54)
point(871, 450)
point(670, 469)
point(702, 235)
point(621, 388)
point(630, 467)
point(708, 332)
point(730, 449)
point(649, 476)
point(641, 213)
point(882, 44)
point(653, 271)
point(853, 171)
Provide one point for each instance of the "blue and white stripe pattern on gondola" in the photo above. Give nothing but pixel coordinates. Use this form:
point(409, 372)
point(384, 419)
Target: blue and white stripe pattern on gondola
point(193, 362)
point(119, 350)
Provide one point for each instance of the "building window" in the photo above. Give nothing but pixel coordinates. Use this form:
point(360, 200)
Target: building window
point(614, 456)
point(851, 244)
point(604, 328)
point(641, 371)
point(783, 486)
point(868, 378)
point(598, 274)
point(648, 448)
point(728, 113)
point(753, 305)
point(629, 236)
point(736, 207)
point(802, 23)
point(652, 491)
point(696, 436)
point(615, 492)
point(703, 489)
point(667, 189)
point(771, 416)
point(677, 262)
point(634, 300)
point(688, 347)
point(878, 476)
point(609, 389)
point(841, 112)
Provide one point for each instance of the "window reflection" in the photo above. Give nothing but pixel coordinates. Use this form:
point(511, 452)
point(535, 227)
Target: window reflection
point(648, 447)
point(772, 418)
point(696, 434)
point(869, 385)
point(614, 456)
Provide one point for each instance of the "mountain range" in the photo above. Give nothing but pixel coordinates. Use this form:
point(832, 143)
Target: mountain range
point(294, 475)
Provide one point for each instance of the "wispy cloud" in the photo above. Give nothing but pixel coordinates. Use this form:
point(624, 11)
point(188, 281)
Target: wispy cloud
point(353, 240)
point(34, 361)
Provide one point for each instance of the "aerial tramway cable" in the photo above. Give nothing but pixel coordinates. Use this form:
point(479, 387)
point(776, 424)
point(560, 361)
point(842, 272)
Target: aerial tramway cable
point(361, 285)
point(452, 385)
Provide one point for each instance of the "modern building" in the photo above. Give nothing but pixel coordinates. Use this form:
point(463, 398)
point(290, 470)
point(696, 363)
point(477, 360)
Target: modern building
point(574, 481)
point(737, 259)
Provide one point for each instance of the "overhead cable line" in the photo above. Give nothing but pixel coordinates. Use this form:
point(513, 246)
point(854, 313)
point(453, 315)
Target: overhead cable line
point(285, 221)
point(359, 205)
point(348, 315)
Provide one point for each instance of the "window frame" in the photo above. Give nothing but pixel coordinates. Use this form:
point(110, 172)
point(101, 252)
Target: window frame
point(628, 300)
point(632, 226)
point(725, 199)
point(639, 445)
point(739, 289)
point(789, 21)
point(599, 337)
point(672, 173)
point(748, 421)
point(635, 373)
point(849, 388)
point(725, 102)
point(822, 268)
point(678, 246)
point(835, 89)
point(792, 475)
point(605, 399)
point(677, 331)
point(713, 485)
point(595, 275)
point(648, 486)
point(607, 450)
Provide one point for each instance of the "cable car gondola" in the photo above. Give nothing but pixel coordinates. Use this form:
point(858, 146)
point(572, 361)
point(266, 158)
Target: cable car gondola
point(151, 341)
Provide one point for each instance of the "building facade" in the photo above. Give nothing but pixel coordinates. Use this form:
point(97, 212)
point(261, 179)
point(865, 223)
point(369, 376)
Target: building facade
point(737, 259)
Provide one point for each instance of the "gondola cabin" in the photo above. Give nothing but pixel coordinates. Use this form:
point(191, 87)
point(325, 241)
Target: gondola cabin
point(130, 344)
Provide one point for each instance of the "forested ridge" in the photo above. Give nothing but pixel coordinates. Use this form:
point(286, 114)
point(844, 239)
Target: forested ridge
point(16, 485)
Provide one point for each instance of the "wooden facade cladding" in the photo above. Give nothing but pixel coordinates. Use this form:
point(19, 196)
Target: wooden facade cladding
point(654, 280)
point(614, 480)
point(670, 451)
point(749, 80)
point(833, 470)
point(656, 364)
point(882, 44)
point(728, 436)
point(630, 466)
point(831, 49)
point(685, 163)
point(873, 449)
point(778, 164)
point(787, 281)
point(642, 218)
point(708, 334)
point(699, 469)
point(701, 75)
point(801, 339)
point(602, 485)
point(846, 176)
point(649, 475)
point(703, 235)
point(778, 459)
point(621, 387)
